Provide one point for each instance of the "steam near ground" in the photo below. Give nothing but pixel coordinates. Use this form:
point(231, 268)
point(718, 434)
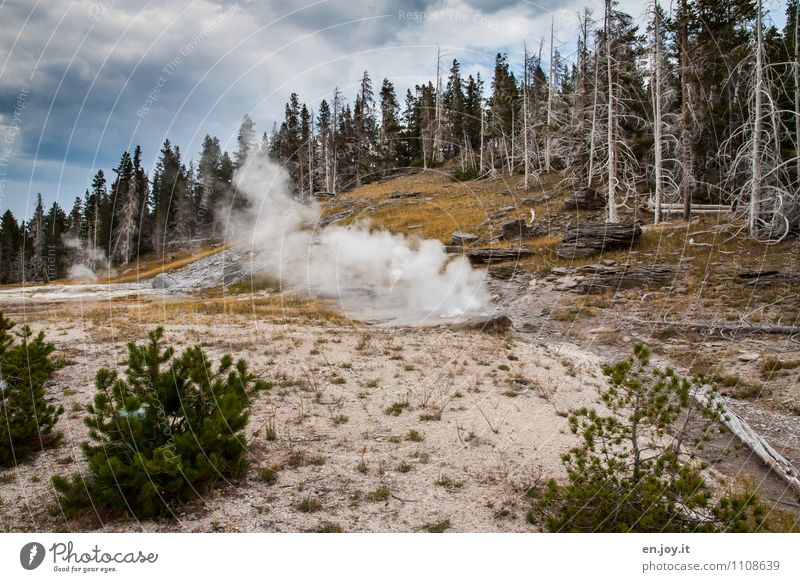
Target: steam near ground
point(370, 272)
point(89, 261)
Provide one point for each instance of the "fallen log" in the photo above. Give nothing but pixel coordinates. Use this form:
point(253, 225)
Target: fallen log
point(585, 199)
point(486, 256)
point(768, 277)
point(779, 464)
point(599, 278)
point(721, 327)
point(519, 229)
point(589, 238)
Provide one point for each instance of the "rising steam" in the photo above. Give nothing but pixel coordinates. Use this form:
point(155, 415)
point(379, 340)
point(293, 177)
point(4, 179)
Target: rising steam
point(370, 271)
point(87, 260)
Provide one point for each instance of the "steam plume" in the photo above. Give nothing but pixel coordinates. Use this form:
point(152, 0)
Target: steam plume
point(371, 271)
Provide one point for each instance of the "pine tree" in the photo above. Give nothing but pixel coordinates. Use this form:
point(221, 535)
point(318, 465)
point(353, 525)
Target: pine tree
point(245, 140)
point(37, 267)
point(166, 432)
point(622, 477)
point(28, 421)
point(10, 247)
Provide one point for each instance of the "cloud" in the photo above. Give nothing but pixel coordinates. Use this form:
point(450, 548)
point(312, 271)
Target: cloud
point(105, 75)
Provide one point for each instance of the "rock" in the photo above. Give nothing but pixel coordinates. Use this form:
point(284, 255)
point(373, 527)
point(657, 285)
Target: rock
point(585, 199)
point(502, 212)
point(397, 195)
point(504, 272)
point(495, 325)
point(323, 195)
point(566, 283)
point(519, 229)
point(748, 357)
point(232, 274)
point(589, 238)
point(463, 238)
point(163, 281)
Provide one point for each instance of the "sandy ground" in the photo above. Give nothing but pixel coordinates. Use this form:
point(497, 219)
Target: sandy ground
point(481, 420)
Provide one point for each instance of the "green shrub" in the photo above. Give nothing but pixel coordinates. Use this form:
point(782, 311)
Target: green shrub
point(167, 432)
point(635, 469)
point(26, 419)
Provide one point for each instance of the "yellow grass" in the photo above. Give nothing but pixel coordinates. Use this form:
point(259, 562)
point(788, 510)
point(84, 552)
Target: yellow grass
point(444, 205)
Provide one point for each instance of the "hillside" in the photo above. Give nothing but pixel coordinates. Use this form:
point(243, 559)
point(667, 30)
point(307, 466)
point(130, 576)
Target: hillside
point(386, 427)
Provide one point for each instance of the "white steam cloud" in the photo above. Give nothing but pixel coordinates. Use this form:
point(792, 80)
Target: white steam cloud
point(371, 272)
point(88, 260)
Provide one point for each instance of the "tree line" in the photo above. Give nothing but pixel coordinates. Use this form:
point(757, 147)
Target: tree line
point(699, 105)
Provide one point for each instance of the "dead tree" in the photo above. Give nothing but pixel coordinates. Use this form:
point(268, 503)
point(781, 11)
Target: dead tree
point(686, 153)
point(612, 214)
point(657, 121)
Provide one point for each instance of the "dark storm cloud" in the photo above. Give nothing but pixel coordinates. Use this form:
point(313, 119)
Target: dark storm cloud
point(105, 75)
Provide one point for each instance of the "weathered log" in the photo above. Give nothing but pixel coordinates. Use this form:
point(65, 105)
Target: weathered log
point(767, 277)
point(756, 443)
point(463, 238)
point(519, 229)
point(599, 278)
point(589, 239)
point(584, 199)
point(721, 328)
point(486, 256)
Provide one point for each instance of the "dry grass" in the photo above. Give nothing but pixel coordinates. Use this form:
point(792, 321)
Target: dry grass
point(444, 205)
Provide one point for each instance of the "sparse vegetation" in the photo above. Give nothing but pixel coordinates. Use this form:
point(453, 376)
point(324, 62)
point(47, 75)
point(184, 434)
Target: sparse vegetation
point(437, 527)
point(309, 505)
point(396, 409)
point(382, 493)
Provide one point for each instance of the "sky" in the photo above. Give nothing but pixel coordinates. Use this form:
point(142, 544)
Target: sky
point(81, 81)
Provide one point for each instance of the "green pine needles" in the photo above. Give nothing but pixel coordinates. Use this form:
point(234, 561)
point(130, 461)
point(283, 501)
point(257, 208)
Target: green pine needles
point(27, 421)
point(167, 432)
point(636, 468)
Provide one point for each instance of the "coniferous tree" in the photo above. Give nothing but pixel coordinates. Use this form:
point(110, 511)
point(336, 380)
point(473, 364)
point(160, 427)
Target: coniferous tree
point(10, 246)
point(28, 419)
point(166, 432)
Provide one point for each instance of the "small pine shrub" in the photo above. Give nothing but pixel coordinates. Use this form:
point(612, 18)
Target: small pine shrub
point(168, 431)
point(622, 477)
point(27, 421)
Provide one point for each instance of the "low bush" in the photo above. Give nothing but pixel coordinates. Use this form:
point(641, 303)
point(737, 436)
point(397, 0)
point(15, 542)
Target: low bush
point(168, 431)
point(27, 421)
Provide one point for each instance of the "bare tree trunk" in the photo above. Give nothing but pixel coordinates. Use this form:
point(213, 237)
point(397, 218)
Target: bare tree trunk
point(755, 187)
point(657, 110)
point(580, 95)
point(613, 216)
point(336, 105)
point(797, 89)
point(438, 135)
point(311, 159)
point(593, 132)
point(480, 169)
point(686, 155)
point(547, 139)
point(525, 115)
